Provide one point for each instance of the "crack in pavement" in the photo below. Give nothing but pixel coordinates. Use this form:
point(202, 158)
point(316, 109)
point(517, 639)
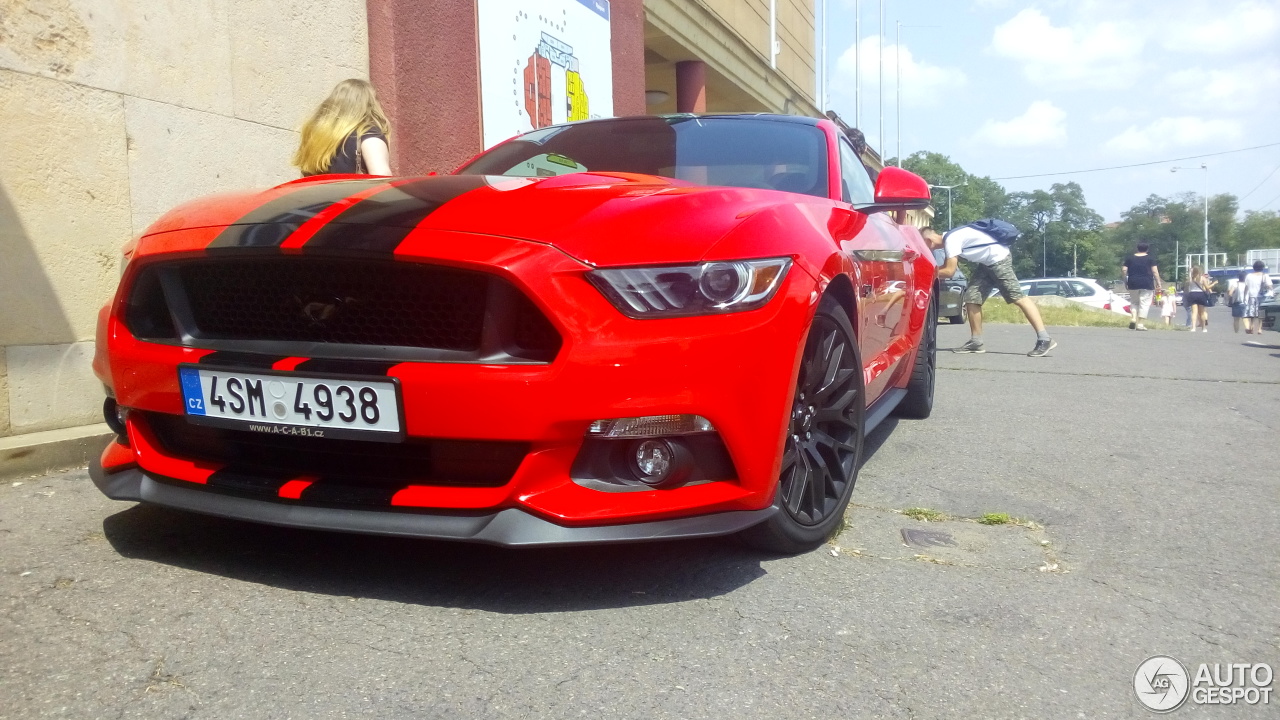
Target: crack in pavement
point(1165, 608)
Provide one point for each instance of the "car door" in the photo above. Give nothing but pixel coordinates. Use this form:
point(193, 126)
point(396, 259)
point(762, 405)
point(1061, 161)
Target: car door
point(879, 251)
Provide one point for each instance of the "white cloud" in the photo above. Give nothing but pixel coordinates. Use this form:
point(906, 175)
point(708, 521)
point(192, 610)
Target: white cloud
point(1235, 89)
point(1043, 124)
point(921, 82)
point(1100, 54)
point(1117, 114)
point(1212, 29)
point(1172, 132)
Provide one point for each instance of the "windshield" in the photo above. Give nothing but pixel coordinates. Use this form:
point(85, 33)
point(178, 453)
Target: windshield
point(734, 151)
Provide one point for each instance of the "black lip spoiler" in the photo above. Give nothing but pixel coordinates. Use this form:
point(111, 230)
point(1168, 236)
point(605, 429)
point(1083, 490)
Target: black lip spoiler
point(511, 527)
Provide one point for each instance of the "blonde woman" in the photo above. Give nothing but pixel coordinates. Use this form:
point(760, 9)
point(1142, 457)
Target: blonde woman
point(347, 134)
point(1196, 297)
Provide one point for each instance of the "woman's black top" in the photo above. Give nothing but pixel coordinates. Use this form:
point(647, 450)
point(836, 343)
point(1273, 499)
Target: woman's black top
point(1140, 276)
point(344, 161)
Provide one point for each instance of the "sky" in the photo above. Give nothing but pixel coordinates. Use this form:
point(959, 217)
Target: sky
point(1010, 88)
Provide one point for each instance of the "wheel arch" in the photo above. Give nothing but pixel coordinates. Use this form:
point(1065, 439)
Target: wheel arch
point(840, 288)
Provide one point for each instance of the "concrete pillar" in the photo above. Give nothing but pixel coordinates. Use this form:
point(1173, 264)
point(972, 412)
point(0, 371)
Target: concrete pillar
point(691, 86)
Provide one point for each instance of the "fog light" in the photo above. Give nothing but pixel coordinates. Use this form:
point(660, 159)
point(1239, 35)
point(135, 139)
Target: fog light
point(660, 462)
point(115, 417)
point(653, 459)
point(650, 426)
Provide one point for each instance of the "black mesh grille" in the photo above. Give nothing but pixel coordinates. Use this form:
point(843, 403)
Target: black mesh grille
point(340, 308)
point(147, 314)
point(337, 301)
point(419, 461)
point(534, 334)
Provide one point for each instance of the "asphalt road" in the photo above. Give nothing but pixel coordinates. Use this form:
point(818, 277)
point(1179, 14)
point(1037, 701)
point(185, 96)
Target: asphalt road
point(1147, 460)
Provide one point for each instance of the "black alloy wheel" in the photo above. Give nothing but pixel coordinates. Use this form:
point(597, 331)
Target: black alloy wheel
point(823, 447)
point(918, 403)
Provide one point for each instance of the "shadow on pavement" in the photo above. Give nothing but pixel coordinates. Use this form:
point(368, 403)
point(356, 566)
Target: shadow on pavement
point(425, 572)
point(443, 574)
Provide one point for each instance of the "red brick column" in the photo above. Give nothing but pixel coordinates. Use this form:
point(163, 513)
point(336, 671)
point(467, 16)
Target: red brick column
point(425, 63)
point(691, 86)
point(626, 35)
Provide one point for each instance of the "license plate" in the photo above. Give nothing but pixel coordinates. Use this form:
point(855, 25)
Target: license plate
point(354, 408)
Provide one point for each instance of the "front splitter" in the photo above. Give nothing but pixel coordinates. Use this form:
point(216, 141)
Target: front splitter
point(511, 527)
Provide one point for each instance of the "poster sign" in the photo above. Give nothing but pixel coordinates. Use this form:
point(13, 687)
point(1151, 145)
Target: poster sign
point(542, 62)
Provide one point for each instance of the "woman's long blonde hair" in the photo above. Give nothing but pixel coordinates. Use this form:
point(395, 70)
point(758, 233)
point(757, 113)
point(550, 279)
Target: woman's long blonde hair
point(351, 107)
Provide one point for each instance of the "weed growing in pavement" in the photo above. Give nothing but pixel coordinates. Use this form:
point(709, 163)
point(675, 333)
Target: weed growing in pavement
point(995, 519)
point(924, 514)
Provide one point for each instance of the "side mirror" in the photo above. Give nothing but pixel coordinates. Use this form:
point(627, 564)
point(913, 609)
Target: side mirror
point(897, 189)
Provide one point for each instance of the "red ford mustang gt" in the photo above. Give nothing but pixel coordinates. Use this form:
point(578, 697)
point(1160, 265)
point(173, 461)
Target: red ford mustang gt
point(608, 331)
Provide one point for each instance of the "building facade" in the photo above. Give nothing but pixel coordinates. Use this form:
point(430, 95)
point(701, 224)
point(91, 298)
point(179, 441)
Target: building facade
point(114, 111)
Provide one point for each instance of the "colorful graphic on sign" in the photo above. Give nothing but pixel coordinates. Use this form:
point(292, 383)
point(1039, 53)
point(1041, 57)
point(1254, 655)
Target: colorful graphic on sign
point(543, 63)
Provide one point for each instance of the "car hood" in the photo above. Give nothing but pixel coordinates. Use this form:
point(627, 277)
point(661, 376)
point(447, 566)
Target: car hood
point(602, 219)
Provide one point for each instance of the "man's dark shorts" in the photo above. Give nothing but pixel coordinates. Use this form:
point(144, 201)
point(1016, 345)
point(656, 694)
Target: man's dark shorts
point(987, 277)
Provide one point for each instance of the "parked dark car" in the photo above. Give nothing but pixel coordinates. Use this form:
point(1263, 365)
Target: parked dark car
point(1271, 313)
point(951, 294)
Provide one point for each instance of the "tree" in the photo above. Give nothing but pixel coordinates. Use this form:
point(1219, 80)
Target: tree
point(1259, 231)
point(973, 199)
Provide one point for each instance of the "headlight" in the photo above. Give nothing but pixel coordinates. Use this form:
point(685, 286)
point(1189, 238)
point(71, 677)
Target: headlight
point(681, 290)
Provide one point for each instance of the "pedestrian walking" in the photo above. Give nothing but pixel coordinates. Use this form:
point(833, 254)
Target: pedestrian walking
point(1142, 277)
point(1235, 300)
point(993, 269)
point(1196, 297)
point(347, 134)
point(1256, 284)
point(1169, 305)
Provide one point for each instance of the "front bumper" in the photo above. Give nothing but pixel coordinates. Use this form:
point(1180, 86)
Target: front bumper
point(737, 370)
point(511, 527)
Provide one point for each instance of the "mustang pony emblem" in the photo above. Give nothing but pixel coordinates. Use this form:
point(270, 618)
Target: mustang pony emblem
point(320, 312)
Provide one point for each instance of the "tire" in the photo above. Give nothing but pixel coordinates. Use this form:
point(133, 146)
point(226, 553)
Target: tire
point(823, 447)
point(957, 319)
point(919, 400)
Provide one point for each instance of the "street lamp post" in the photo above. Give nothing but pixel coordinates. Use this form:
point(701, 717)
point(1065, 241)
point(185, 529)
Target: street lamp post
point(897, 76)
point(948, 188)
point(857, 64)
point(1042, 220)
point(880, 90)
point(1205, 168)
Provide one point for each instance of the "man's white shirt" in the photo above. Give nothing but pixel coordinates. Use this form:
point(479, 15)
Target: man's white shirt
point(974, 246)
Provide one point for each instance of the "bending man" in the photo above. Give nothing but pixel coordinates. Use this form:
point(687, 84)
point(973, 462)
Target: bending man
point(993, 268)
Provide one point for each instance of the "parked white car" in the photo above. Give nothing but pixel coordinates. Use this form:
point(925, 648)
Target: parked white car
point(1082, 290)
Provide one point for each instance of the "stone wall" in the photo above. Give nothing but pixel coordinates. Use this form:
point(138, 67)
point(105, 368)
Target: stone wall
point(113, 111)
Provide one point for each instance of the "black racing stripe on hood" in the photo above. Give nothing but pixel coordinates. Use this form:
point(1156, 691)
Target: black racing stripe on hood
point(379, 223)
point(269, 224)
point(240, 359)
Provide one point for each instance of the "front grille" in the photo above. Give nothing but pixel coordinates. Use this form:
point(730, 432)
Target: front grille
point(331, 301)
point(339, 307)
point(417, 461)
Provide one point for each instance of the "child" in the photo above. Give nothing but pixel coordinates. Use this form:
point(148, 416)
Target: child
point(1167, 307)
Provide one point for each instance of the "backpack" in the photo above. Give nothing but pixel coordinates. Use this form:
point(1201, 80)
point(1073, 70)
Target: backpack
point(1002, 232)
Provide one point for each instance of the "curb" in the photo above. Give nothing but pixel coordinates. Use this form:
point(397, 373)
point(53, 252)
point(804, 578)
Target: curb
point(39, 453)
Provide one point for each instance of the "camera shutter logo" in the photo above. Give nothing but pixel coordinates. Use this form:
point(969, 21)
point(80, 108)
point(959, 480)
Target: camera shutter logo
point(1161, 683)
